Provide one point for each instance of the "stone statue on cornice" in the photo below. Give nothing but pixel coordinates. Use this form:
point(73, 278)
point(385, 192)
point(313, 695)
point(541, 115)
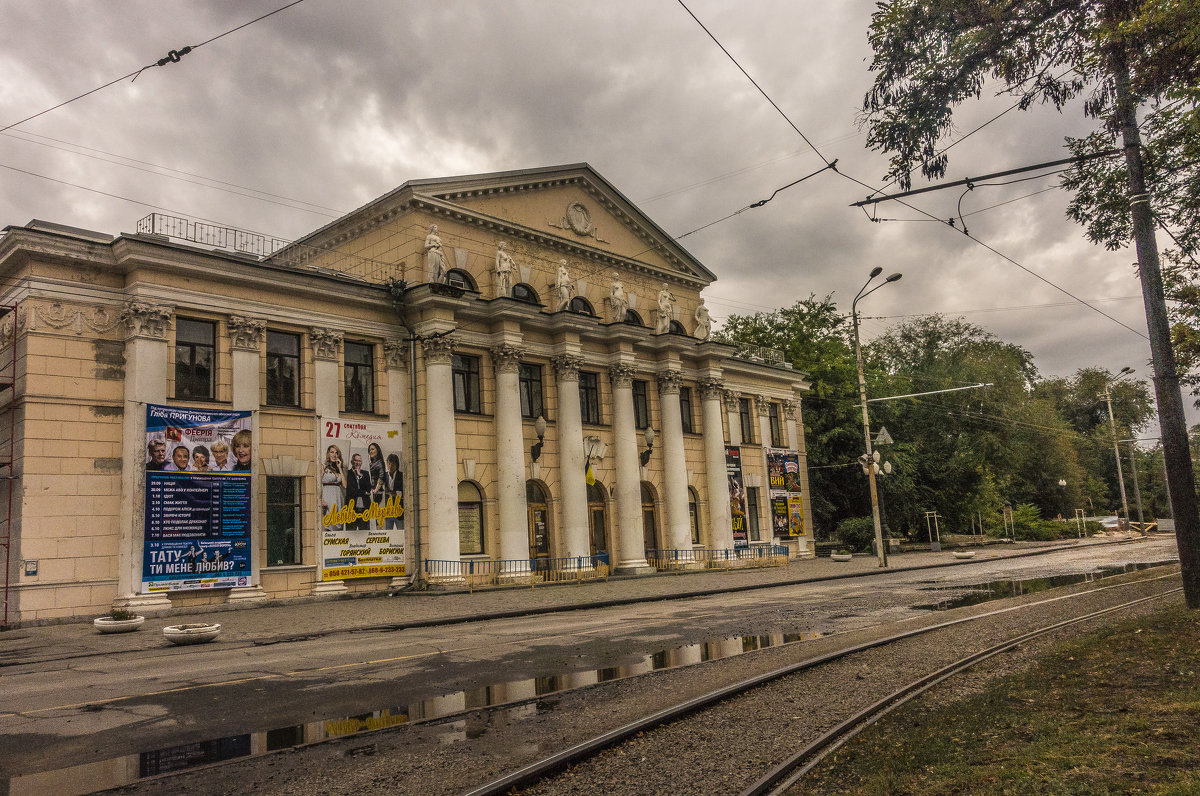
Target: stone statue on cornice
point(504, 270)
point(617, 299)
point(665, 311)
point(435, 259)
point(563, 289)
point(703, 321)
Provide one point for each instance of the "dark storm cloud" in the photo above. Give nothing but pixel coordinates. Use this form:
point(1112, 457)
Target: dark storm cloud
point(337, 103)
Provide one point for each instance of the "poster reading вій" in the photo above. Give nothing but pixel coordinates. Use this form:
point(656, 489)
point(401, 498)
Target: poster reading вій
point(197, 512)
point(783, 480)
point(361, 500)
point(737, 496)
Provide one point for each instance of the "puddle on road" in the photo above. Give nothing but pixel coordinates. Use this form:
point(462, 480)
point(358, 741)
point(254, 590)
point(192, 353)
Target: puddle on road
point(1000, 589)
point(129, 768)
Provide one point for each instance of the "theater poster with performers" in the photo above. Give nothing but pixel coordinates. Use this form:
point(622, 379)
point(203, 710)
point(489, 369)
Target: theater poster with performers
point(197, 512)
point(361, 505)
point(737, 496)
point(787, 501)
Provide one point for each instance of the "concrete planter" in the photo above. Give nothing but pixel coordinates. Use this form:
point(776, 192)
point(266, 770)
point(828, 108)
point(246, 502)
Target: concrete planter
point(841, 556)
point(106, 624)
point(196, 633)
point(964, 553)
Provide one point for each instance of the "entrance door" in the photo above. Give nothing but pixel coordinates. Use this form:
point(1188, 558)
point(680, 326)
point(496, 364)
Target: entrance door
point(649, 519)
point(598, 519)
point(539, 522)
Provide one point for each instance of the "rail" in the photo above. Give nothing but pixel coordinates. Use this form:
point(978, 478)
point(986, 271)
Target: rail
point(681, 559)
point(476, 573)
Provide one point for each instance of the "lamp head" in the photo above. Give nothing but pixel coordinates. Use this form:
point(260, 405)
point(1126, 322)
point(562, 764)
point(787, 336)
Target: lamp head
point(539, 426)
point(876, 271)
point(894, 277)
point(1126, 369)
point(649, 436)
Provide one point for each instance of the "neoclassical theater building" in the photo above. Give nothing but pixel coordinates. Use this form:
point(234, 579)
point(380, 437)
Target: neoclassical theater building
point(534, 348)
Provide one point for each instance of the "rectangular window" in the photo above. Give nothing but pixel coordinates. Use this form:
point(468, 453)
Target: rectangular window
point(529, 377)
point(685, 409)
point(283, 520)
point(360, 377)
point(283, 369)
point(195, 358)
point(589, 398)
point(752, 514)
point(776, 425)
point(747, 424)
point(465, 372)
point(641, 405)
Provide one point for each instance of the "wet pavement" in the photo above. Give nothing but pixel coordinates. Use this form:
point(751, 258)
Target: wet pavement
point(274, 622)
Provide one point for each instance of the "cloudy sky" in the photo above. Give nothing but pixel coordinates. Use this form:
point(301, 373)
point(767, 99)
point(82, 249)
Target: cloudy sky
point(294, 120)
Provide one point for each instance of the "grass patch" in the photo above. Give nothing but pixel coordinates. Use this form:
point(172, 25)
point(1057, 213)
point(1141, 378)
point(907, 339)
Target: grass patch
point(1116, 711)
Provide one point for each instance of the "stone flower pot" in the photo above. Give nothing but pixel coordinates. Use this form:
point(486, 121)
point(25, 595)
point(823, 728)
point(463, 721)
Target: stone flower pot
point(194, 633)
point(964, 553)
point(841, 556)
point(106, 624)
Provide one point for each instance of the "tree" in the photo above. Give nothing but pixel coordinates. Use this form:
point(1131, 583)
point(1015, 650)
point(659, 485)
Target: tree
point(932, 55)
point(814, 338)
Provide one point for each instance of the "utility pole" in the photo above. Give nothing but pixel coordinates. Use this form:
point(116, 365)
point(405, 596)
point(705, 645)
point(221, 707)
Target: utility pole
point(1137, 493)
point(1112, 424)
point(1181, 483)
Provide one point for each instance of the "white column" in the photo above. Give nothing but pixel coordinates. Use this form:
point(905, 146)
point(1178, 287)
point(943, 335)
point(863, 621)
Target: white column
point(679, 530)
point(719, 517)
point(731, 411)
point(145, 383)
point(631, 541)
point(795, 436)
point(762, 407)
point(571, 457)
point(441, 451)
point(510, 454)
point(395, 355)
point(327, 384)
point(246, 338)
point(766, 523)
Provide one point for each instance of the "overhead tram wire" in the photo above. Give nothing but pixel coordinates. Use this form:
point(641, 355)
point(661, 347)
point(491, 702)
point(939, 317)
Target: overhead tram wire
point(149, 168)
point(901, 201)
point(172, 57)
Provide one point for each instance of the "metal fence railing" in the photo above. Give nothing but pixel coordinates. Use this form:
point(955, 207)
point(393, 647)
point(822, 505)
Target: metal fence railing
point(705, 558)
point(474, 573)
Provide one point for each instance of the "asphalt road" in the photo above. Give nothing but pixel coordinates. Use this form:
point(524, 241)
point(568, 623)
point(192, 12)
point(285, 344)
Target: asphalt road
point(98, 719)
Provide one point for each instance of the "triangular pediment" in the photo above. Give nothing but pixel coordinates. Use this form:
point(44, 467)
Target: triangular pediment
point(573, 203)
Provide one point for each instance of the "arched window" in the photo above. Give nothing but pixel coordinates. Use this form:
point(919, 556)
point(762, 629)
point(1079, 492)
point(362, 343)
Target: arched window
point(633, 319)
point(470, 519)
point(582, 306)
point(598, 517)
point(677, 328)
point(694, 511)
point(460, 279)
point(523, 292)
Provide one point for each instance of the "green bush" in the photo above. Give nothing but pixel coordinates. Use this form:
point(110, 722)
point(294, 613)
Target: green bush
point(856, 533)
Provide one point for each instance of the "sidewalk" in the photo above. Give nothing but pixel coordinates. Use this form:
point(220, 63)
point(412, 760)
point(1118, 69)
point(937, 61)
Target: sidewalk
point(277, 622)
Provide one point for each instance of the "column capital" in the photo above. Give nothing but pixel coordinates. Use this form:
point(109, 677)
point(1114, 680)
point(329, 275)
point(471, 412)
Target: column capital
point(326, 343)
point(246, 334)
point(145, 320)
point(621, 374)
point(438, 350)
point(566, 367)
point(711, 389)
point(731, 399)
point(395, 353)
point(789, 406)
point(506, 358)
point(668, 382)
point(763, 405)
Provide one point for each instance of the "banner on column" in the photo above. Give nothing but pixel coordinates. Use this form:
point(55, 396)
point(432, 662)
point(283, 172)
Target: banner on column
point(361, 505)
point(197, 512)
point(737, 496)
point(783, 479)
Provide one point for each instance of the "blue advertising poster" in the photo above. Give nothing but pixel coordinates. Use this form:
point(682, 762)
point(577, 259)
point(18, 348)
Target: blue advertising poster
point(197, 499)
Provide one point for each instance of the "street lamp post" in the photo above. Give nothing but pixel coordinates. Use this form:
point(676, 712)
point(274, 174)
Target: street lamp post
point(862, 395)
point(1137, 492)
point(1125, 371)
point(1062, 488)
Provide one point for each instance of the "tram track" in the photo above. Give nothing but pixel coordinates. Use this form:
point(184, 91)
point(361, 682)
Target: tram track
point(781, 772)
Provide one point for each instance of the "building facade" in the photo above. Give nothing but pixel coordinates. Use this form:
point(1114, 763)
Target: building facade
point(531, 347)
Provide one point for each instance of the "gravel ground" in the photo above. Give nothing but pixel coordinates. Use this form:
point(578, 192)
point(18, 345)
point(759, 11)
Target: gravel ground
point(721, 750)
